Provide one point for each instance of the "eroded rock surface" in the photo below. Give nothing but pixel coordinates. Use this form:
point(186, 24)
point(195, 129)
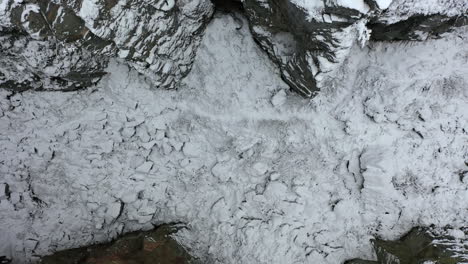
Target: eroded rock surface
point(155, 246)
point(306, 40)
point(421, 245)
point(310, 39)
point(65, 45)
point(413, 20)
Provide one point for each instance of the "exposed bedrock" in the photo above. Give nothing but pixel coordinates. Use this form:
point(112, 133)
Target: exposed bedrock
point(417, 27)
point(310, 39)
point(421, 245)
point(306, 41)
point(66, 44)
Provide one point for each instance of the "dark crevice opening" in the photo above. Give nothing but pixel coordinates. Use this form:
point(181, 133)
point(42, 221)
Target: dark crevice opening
point(228, 6)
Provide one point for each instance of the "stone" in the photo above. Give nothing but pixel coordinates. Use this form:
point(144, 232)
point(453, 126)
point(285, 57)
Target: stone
point(155, 246)
point(309, 42)
point(66, 45)
point(421, 245)
point(305, 44)
point(275, 176)
point(31, 244)
point(417, 27)
point(38, 52)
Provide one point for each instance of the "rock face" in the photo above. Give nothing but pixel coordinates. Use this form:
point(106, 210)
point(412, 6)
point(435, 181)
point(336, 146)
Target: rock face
point(410, 20)
point(154, 246)
point(421, 245)
point(66, 44)
point(307, 40)
point(310, 39)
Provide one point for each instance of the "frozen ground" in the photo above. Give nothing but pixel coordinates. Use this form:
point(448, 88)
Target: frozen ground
point(259, 175)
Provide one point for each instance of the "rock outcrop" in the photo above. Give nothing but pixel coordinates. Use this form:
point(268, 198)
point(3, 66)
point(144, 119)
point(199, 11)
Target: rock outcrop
point(155, 246)
point(421, 245)
point(308, 40)
point(413, 20)
point(66, 45)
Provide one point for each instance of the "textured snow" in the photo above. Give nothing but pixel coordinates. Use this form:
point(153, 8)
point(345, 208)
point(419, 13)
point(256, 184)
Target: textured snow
point(257, 174)
point(383, 4)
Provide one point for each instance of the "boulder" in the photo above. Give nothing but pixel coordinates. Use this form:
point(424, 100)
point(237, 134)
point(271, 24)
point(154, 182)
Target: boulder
point(418, 20)
point(66, 44)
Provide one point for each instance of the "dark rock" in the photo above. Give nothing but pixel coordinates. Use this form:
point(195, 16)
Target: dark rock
point(417, 27)
point(309, 45)
point(154, 246)
point(4, 260)
point(419, 246)
point(38, 53)
point(305, 47)
point(66, 45)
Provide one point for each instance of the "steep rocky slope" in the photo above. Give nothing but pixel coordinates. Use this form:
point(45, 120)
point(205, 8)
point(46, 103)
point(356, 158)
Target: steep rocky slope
point(65, 45)
point(310, 39)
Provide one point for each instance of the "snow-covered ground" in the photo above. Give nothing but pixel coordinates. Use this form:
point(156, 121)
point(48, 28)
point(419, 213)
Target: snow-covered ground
point(256, 173)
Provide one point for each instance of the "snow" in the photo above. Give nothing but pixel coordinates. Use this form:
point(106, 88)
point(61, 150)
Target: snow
point(315, 8)
point(89, 12)
point(258, 175)
point(359, 5)
point(383, 4)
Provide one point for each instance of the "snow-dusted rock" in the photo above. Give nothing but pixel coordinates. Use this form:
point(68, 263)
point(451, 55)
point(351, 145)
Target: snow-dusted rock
point(310, 39)
point(307, 39)
point(418, 20)
point(46, 46)
point(421, 245)
point(65, 45)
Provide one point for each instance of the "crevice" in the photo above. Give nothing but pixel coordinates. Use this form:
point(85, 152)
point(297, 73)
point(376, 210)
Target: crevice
point(228, 6)
point(234, 8)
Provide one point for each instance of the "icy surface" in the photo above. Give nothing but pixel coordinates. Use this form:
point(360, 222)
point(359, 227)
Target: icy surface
point(258, 174)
